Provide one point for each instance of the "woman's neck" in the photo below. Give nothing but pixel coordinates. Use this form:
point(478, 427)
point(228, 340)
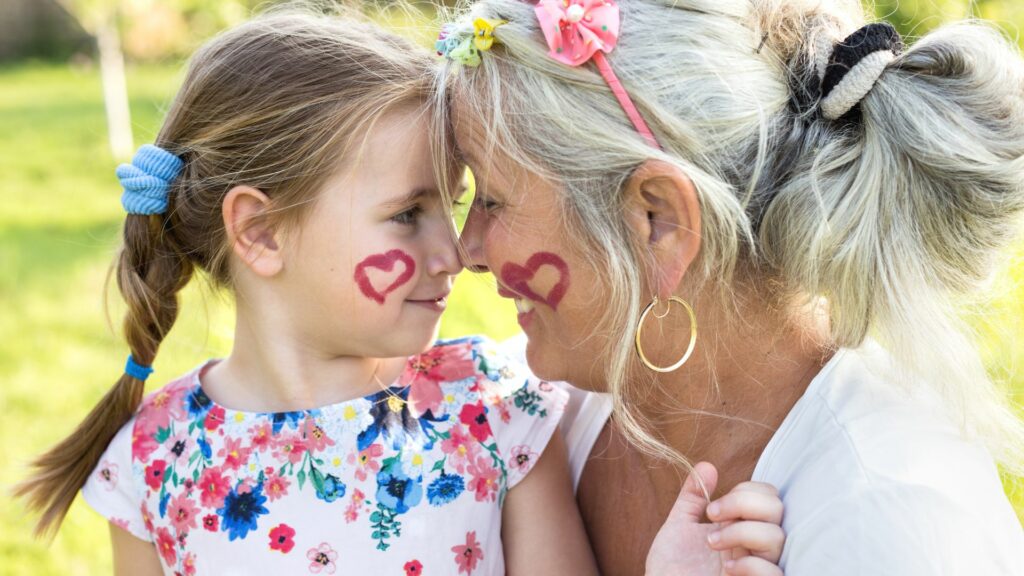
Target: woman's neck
point(272, 369)
point(746, 375)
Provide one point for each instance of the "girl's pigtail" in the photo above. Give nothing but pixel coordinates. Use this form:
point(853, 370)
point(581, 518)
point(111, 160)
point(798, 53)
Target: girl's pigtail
point(150, 272)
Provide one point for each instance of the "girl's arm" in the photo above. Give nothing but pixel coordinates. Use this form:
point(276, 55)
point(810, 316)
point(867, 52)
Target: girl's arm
point(541, 526)
point(133, 556)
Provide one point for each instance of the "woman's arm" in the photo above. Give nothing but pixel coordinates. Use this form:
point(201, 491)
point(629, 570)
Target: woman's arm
point(541, 525)
point(133, 556)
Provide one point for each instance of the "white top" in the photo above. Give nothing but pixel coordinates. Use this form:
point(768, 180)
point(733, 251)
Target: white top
point(878, 481)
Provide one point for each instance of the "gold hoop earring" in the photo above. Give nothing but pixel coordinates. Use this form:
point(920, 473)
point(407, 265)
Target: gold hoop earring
point(693, 333)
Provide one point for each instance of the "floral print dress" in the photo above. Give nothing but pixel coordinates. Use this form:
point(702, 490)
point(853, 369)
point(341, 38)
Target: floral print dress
point(406, 482)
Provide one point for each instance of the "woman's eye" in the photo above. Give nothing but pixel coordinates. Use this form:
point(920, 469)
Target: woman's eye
point(408, 217)
point(485, 204)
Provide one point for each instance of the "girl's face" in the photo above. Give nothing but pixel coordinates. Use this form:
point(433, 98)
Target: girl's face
point(374, 259)
point(516, 230)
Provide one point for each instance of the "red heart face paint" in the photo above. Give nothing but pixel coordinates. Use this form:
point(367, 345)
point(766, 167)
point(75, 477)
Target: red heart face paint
point(386, 263)
point(518, 278)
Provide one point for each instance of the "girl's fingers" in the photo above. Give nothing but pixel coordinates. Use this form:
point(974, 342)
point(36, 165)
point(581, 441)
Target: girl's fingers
point(762, 539)
point(689, 506)
point(747, 504)
point(752, 566)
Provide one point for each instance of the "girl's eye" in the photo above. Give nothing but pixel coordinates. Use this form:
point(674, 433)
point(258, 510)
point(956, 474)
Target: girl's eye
point(485, 204)
point(408, 217)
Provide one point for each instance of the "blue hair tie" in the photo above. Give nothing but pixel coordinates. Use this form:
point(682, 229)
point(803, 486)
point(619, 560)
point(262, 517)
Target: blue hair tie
point(147, 180)
point(137, 371)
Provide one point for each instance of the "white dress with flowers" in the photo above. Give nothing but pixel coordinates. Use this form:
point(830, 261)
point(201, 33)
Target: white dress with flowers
point(374, 485)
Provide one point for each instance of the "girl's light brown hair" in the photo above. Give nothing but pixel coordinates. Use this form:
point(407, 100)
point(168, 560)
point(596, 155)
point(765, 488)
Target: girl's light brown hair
point(273, 104)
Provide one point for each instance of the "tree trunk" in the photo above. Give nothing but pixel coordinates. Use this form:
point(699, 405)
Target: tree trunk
point(115, 88)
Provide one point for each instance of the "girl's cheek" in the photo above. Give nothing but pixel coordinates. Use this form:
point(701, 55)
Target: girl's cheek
point(378, 275)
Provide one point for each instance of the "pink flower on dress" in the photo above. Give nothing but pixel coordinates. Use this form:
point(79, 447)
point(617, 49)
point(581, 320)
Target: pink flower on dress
point(181, 446)
point(143, 444)
point(276, 486)
point(281, 538)
point(289, 447)
point(484, 479)
point(425, 372)
point(469, 554)
point(155, 474)
point(165, 544)
point(460, 448)
point(147, 518)
point(182, 513)
point(315, 438)
point(213, 487)
point(522, 458)
point(322, 558)
point(107, 475)
point(120, 523)
point(260, 436)
point(211, 522)
point(366, 461)
point(189, 564)
point(352, 510)
point(475, 417)
point(234, 455)
point(413, 568)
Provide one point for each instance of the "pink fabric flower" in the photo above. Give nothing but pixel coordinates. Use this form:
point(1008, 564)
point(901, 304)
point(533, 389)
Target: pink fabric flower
point(213, 487)
point(166, 544)
point(425, 372)
point(211, 522)
point(143, 444)
point(276, 486)
point(576, 29)
point(189, 564)
point(469, 554)
point(460, 448)
point(182, 512)
point(522, 458)
point(107, 475)
point(234, 455)
point(483, 478)
point(289, 446)
point(314, 436)
point(260, 436)
point(322, 558)
point(366, 461)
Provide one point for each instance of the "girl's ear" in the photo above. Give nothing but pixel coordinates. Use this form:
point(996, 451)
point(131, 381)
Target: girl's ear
point(663, 209)
point(249, 232)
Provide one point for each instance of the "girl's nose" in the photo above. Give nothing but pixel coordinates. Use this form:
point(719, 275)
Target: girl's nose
point(472, 240)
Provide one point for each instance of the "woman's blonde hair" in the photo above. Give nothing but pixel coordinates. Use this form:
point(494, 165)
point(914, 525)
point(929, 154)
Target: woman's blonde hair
point(275, 104)
point(892, 219)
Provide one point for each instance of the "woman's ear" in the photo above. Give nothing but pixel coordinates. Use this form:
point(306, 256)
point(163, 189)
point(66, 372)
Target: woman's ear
point(663, 209)
point(249, 232)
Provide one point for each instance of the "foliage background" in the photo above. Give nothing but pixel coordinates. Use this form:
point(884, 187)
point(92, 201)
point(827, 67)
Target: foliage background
point(59, 226)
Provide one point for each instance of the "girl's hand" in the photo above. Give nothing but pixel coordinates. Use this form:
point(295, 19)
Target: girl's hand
point(746, 540)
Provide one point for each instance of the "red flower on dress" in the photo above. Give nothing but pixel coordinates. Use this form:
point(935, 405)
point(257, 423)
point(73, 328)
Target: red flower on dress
point(213, 487)
point(413, 568)
point(155, 474)
point(260, 436)
point(425, 372)
point(289, 447)
point(214, 418)
point(165, 544)
point(211, 522)
point(281, 538)
point(475, 417)
point(469, 554)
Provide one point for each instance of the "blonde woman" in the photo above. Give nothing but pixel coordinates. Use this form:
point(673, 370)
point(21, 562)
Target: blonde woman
point(748, 221)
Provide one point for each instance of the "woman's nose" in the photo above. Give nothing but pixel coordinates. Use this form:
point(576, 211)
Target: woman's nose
point(472, 240)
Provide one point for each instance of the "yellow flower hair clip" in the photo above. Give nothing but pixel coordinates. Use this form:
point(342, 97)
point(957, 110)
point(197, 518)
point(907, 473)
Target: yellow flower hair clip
point(467, 50)
point(483, 32)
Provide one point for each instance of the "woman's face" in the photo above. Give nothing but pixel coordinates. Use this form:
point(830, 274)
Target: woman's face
point(516, 230)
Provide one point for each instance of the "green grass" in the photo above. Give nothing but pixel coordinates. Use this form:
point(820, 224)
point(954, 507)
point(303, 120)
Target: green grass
point(59, 221)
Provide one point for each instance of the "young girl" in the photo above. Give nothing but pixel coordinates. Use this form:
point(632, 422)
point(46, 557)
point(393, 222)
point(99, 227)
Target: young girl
point(294, 168)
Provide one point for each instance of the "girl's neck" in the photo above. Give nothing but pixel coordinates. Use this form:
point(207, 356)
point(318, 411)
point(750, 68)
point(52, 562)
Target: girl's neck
point(269, 370)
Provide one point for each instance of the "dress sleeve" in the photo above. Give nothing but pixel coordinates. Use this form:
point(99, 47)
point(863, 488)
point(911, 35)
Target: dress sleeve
point(111, 488)
point(522, 410)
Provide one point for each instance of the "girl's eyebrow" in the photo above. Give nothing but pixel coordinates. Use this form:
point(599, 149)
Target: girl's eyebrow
point(414, 195)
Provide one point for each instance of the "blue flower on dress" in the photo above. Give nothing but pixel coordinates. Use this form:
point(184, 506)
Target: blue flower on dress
point(397, 491)
point(204, 447)
point(240, 511)
point(279, 419)
point(445, 488)
point(393, 421)
point(198, 403)
point(332, 489)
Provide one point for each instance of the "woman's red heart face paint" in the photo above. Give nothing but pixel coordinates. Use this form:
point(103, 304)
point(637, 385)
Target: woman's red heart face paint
point(385, 263)
point(520, 279)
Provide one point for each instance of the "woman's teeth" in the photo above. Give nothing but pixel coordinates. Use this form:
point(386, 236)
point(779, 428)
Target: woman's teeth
point(523, 306)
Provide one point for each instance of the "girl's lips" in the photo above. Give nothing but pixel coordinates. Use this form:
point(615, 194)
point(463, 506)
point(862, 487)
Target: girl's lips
point(438, 304)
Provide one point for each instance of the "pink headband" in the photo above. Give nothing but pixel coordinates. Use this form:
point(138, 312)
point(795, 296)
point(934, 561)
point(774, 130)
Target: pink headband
point(580, 30)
